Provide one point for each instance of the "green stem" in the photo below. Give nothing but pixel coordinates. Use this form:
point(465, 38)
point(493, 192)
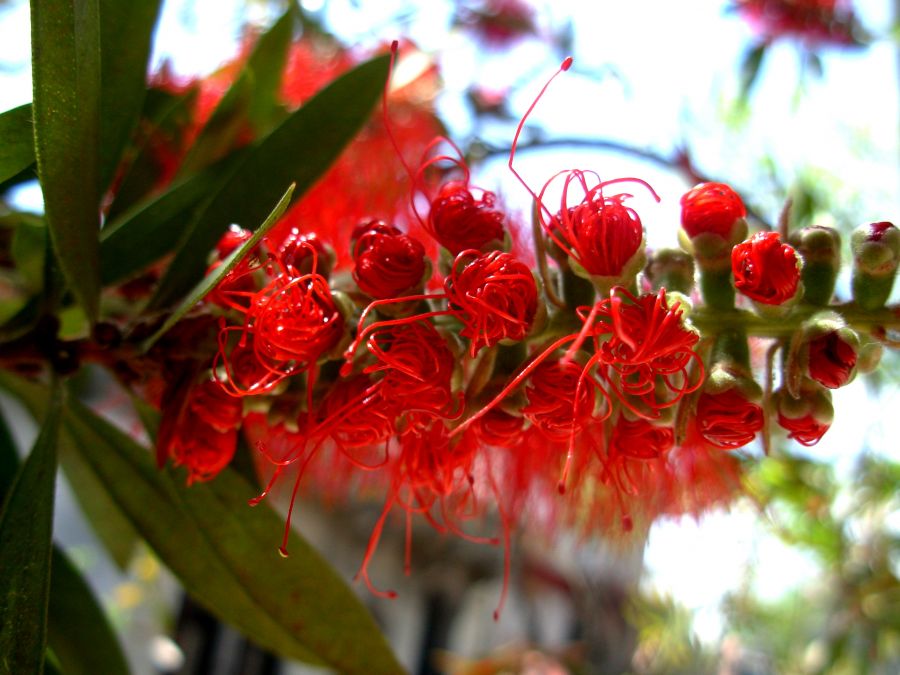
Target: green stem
point(710, 320)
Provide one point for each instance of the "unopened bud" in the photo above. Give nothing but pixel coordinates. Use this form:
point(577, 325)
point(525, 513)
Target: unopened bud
point(806, 418)
point(876, 255)
point(829, 351)
point(820, 249)
point(671, 269)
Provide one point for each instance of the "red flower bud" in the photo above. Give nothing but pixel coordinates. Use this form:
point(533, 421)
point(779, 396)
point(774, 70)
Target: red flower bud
point(210, 403)
point(832, 360)
point(388, 263)
point(416, 368)
point(727, 419)
point(765, 270)
point(807, 417)
point(495, 296)
point(234, 237)
point(711, 208)
point(203, 450)
point(459, 221)
point(600, 234)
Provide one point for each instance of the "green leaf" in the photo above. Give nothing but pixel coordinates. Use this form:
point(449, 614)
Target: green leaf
point(165, 120)
point(9, 458)
point(74, 617)
point(65, 39)
point(29, 248)
point(153, 228)
point(126, 29)
point(750, 68)
point(78, 631)
point(26, 528)
point(224, 552)
point(251, 100)
point(298, 151)
point(112, 528)
point(16, 141)
point(211, 280)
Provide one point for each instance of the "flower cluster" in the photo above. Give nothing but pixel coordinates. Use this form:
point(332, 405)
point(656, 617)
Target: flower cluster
point(433, 367)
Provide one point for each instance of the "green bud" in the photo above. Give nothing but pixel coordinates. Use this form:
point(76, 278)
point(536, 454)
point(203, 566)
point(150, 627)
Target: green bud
point(820, 249)
point(876, 255)
point(671, 269)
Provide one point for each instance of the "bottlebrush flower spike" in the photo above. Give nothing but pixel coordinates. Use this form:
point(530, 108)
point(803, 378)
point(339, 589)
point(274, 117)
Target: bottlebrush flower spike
point(387, 263)
point(807, 418)
point(765, 270)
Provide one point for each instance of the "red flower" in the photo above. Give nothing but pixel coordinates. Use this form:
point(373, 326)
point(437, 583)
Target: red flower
point(203, 450)
point(814, 21)
point(215, 407)
point(648, 345)
point(600, 233)
point(552, 405)
point(727, 419)
point(500, 22)
point(494, 295)
point(459, 221)
point(416, 369)
point(388, 263)
point(805, 430)
point(831, 360)
point(711, 208)
point(766, 270)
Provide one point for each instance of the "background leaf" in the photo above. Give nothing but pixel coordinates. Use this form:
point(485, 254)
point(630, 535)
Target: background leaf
point(297, 151)
point(154, 227)
point(78, 631)
point(26, 527)
point(65, 42)
point(225, 552)
point(252, 100)
point(210, 281)
point(126, 29)
point(16, 141)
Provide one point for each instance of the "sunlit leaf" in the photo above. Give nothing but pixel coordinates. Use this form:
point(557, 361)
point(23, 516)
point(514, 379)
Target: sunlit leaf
point(65, 41)
point(26, 527)
point(298, 151)
point(16, 141)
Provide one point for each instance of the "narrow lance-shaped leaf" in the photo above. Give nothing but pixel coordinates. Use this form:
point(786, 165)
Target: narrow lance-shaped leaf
point(65, 40)
point(126, 29)
point(26, 527)
point(16, 141)
point(77, 628)
point(298, 151)
point(225, 552)
point(250, 102)
point(153, 228)
point(210, 281)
